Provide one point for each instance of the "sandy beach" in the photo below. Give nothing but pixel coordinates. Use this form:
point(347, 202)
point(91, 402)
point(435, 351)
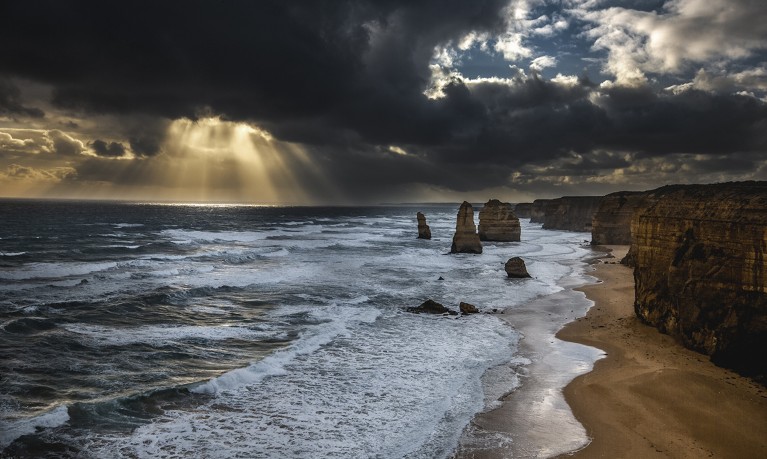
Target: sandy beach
point(650, 397)
point(646, 397)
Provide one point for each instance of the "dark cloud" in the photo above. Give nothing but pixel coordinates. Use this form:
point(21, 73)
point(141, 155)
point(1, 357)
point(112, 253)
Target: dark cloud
point(111, 149)
point(346, 79)
point(10, 101)
point(63, 144)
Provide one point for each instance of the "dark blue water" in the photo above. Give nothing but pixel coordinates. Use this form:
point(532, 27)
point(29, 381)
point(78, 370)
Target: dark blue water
point(141, 330)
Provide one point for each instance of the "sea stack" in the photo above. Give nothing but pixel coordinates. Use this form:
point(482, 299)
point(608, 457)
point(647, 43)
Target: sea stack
point(466, 239)
point(497, 222)
point(516, 268)
point(571, 213)
point(424, 232)
point(523, 209)
point(538, 210)
point(700, 269)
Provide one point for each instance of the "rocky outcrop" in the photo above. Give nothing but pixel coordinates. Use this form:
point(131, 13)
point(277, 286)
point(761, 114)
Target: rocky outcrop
point(497, 222)
point(467, 308)
point(700, 275)
point(466, 239)
point(523, 209)
point(431, 307)
point(611, 224)
point(515, 267)
point(538, 210)
point(424, 232)
point(571, 213)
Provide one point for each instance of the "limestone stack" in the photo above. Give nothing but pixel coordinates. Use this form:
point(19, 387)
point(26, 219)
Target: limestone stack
point(515, 267)
point(497, 222)
point(700, 269)
point(466, 239)
point(611, 224)
point(571, 213)
point(424, 232)
point(523, 209)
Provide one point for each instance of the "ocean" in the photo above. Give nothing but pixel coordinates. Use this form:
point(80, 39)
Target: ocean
point(169, 330)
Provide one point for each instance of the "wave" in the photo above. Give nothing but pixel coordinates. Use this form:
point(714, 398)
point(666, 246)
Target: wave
point(161, 335)
point(16, 428)
point(11, 254)
point(56, 270)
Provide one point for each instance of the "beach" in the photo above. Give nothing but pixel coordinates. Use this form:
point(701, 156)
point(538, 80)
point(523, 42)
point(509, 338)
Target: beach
point(647, 397)
point(650, 397)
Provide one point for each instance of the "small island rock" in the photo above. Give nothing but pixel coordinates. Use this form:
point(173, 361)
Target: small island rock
point(431, 307)
point(515, 267)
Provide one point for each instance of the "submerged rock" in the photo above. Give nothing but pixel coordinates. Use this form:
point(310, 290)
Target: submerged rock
point(431, 307)
point(468, 308)
point(424, 232)
point(515, 267)
point(466, 239)
point(497, 222)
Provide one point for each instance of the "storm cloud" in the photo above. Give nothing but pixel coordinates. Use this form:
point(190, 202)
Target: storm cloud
point(354, 81)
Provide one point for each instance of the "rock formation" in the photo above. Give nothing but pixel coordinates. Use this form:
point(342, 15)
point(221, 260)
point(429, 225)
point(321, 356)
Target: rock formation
point(571, 213)
point(611, 224)
point(515, 267)
point(700, 274)
point(467, 308)
point(466, 239)
point(497, 222)
point(431, 307)
point(538, 210)
point(424, 232)
point(523, 209)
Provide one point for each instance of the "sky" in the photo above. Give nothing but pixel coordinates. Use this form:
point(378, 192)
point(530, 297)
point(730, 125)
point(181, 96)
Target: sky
point(357, 102)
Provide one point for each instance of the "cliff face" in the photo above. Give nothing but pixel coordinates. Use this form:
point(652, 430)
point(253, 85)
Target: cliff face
point(700, 274)
point(611, 224)
point(523, 209)
point(571, 213)
point(538, 210)
point(497, 222)
point(465, 239)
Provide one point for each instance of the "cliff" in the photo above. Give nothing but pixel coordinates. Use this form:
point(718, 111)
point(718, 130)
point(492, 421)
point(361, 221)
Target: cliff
point(523, 209)
point(571, 213)
point(699, 275)
point(465, 239)
point(611, 224)
point(538, 210)
point(497, 222)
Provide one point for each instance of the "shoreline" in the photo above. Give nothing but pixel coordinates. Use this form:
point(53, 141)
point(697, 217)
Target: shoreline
point(651, 397)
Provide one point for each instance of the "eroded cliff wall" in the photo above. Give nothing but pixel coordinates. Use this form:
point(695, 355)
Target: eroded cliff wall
point(523, 209)
point(611, 224)
point(538, 210)
point(700, 275)
point(571, 213)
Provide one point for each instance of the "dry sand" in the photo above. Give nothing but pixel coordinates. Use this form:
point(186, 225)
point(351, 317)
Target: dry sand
point(650, 397)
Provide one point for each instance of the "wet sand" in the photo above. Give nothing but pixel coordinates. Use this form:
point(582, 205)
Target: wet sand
point(646, 397)
point(650, 397)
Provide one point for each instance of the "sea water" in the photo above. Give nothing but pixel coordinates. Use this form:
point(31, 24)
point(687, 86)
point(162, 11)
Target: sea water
point(157, 330)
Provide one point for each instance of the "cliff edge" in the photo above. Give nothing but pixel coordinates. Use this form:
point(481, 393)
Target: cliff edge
point(570, 213)
point(699, 273)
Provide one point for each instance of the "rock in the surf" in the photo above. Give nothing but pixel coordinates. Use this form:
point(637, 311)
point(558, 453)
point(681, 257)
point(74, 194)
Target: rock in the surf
point(424, 232)
point(466, 239)
point(515, 267)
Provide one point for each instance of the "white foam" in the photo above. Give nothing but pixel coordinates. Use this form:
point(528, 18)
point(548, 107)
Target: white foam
point(127, 225)
point(13, 429)
point(55, 270)
point(11, 254)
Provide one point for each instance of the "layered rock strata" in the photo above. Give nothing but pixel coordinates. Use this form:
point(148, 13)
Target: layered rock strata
point(516, 268)
point(466, 239)
point(611, 224)
point(497, 222)
point(571, 213)
point(699, 272)
point(424, 232)
point(523, 209)
point(538, 210)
